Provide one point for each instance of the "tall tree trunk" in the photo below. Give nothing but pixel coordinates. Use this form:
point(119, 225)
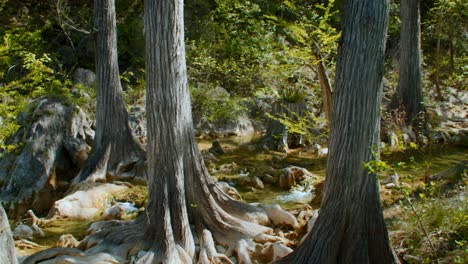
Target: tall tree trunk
point(350, 227)
point(180, 187)
point(437, 66)
point(409, 91)
point(170, 127)
point(114, 146)
point(7, 248)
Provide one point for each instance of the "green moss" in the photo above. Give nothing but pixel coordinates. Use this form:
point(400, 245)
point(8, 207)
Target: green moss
point(137, 194)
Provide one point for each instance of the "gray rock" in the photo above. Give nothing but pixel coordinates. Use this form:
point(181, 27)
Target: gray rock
point(253, 182)
point(267, 178)
point(54, 139)
point(84, 77)
point(216, 148)
point(23, 232)
point(242, 126)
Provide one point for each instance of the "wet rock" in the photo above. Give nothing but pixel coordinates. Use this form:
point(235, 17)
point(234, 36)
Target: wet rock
point(114, 212)
point(23, 232)
point(229, 168)
point(216, 148)
point(267, 178)
point(292, 176)
point(253, 182)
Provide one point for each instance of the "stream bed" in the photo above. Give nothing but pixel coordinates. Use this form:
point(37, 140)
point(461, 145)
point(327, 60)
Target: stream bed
point(252, 161)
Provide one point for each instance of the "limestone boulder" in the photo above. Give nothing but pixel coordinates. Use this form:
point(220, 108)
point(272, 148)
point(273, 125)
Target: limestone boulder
point(51, 146)
point(87, 202)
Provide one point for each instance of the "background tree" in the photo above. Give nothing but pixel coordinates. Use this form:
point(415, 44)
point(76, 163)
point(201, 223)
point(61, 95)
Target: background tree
point(350, 227)
point(114, 148)
point(409, 95)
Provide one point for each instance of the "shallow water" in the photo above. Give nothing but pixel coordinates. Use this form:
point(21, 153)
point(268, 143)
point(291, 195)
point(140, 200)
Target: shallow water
point(259, 162)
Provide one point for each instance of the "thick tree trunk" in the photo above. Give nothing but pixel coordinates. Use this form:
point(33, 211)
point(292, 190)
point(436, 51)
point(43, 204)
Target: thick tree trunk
point(350, 227)
point(114, 146)
point(7, 248)
point(409, 91)
point(180, 188)
point(170, 127)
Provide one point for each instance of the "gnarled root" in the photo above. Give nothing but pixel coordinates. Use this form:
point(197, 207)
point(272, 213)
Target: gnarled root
point(68, 241)
point(52, 253)
point(170, 255)
point(208, 253)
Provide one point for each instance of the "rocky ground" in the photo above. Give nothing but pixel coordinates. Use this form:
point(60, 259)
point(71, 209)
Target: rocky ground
point(55, 139)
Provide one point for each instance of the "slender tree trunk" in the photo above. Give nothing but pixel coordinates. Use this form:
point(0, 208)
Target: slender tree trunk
point(350, 227)
point(437, 67)
point(7, 248)
point(114, 146)
point(325, 85)
point(409, 91)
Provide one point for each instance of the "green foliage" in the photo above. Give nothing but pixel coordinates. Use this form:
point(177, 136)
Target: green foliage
point(133, 83)
point(25, 74)
point(446, 24)
point(298, 124)
point(215, 104)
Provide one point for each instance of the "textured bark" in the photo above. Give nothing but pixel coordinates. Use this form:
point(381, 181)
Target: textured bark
point(169, 127)
point(7, 248)
point(437, 67)
point(350, 227)
point(409, 91)
point(276, 135)
point(180, 188)
point(326, 89)
point(114, 146)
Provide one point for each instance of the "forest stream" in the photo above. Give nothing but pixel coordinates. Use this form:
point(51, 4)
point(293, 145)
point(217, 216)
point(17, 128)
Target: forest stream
point(241, 159)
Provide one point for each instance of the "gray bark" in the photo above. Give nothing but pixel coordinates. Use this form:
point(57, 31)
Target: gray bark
point(276, 135)
point(325, 86)
point(180, 187)
point(409, 91)
point(7, 248)
point(350, 227)
point(170, 131)
point(114, 146)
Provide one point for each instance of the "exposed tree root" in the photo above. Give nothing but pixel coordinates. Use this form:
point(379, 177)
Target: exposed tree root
point(221, 237)
point(52, 253)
